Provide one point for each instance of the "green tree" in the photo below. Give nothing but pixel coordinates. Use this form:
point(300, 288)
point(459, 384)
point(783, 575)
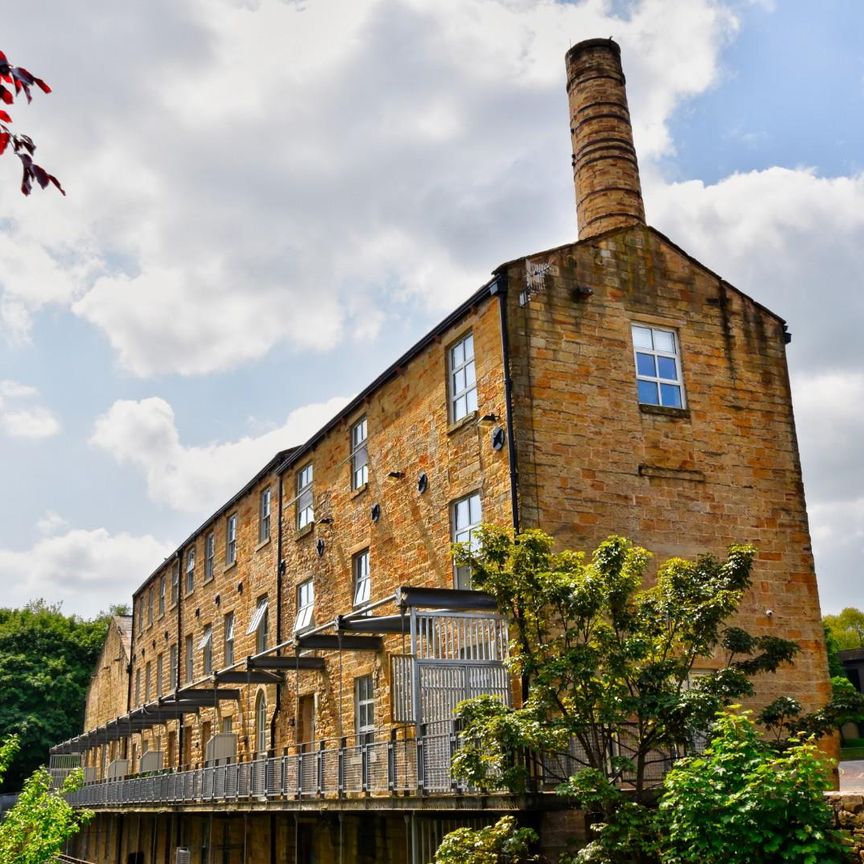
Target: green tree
point(832, 648)
point(742, 802)
point(46, 660)
point(847, 628)
point(501, 843)
point(36, 829)
point(630, 671)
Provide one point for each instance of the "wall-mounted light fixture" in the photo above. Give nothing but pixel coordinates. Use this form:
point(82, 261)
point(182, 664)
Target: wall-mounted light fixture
point(422, 483)
point(396, 475)
point(498, 438)
point(320, 546)
point(376, 512)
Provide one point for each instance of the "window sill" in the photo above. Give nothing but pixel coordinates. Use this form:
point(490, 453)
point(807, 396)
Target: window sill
point(661, 411)
point(262, 544)
point(463, 421)
point(207, 580)
point(356, 493)
point(300, 533)
point(230, 566)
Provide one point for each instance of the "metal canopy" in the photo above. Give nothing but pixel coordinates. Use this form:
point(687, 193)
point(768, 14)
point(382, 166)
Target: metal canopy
point(201, 695)
point(380, 624)
point(328, 642)
point(286, 663)
point(444, 598)
point(238, 676)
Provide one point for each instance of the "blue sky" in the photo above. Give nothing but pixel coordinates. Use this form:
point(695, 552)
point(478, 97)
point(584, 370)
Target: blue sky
point(269, 200)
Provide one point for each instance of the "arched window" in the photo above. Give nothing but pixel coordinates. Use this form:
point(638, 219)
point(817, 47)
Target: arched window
point(261, 723)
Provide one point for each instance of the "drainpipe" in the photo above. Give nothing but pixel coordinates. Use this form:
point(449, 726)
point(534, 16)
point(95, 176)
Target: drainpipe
point(499, 289)
point(279, 693)
point(181, 722)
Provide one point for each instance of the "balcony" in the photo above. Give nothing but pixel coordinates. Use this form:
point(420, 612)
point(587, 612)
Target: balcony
point(334, 768)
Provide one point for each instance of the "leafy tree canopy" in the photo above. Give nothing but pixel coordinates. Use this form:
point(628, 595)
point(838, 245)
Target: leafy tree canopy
point(35, 830)
point(46, 661)
point(622, 673)
point(847, 628)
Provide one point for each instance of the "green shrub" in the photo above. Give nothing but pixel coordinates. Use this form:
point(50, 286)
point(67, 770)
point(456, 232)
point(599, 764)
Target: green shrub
point(743, 802)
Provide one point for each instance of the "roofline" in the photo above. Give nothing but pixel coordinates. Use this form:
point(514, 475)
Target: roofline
point(612, 231)
point(267, 469)
point(298, 453)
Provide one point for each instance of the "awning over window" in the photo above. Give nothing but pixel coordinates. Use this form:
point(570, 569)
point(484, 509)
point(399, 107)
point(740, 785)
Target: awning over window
point(256, 618)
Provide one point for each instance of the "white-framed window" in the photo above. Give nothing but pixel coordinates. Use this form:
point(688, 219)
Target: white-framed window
point(175, 582)
point(205, 646)
point(137, 686)
point(173, 668)
point(260, 625)
point(209, 556)
point(466, 514)
point(150, 606)
point(305, 509)
point(190, 659)
point(228, 639)
point(260, 724)
point(160, 672)
point(359, 455)
point(305, 606)
point(362, 578)
point(148, 680)
point(161, 595)
point(190, 569)
point(658, 366)
point(462, 378)
point(231, 539)
point(264, 502)
point(364, 709)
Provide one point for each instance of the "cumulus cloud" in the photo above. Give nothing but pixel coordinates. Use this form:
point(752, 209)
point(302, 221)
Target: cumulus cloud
point(196, 478)
point(257, 173)
point(792, 240)
point(85, 570)
point(21, 415)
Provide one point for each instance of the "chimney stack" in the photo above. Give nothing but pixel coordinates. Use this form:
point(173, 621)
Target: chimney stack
point(605, 171)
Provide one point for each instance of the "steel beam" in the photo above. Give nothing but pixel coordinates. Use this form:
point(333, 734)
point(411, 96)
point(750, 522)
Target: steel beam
point(253, 676)
point(329, 642)
point(286, 663)
point(444, 598)
point(379, 624)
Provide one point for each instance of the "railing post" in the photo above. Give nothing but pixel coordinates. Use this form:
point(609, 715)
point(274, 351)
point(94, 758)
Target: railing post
point(283, 776)
point(391, 762)
point(319, 758)
point(364, 766)
point(340, 769)
point(300, 757)
point(452, 740)
point(421, 759)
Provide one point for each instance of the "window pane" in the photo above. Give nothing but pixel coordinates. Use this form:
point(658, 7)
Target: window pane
point(474, 502)
point(642, 337)
point(648, 393)
point(459, 408)
point(469, 346)
point(459, 381)
point(645, 365)
point(470, 375)
point(671, 394)
point(470, 401)
point(462, 513)
point(667, 368)
point(664, 341)
point(457, 354)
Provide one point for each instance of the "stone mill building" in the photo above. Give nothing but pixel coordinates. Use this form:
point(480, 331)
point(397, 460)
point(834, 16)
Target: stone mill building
point(287, 692)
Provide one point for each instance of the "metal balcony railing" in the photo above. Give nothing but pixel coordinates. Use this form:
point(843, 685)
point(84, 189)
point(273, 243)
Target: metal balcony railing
point(338, 768)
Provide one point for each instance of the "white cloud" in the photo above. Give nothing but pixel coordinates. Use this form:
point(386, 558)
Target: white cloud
point(196, 478)
point(257, 173)
point(20, 414)
point(85, 570)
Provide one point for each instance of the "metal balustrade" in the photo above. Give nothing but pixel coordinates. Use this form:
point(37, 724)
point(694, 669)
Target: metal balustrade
point(334, 769)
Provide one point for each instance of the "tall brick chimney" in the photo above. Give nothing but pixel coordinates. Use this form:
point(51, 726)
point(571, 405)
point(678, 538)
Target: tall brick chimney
point(605, 171)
